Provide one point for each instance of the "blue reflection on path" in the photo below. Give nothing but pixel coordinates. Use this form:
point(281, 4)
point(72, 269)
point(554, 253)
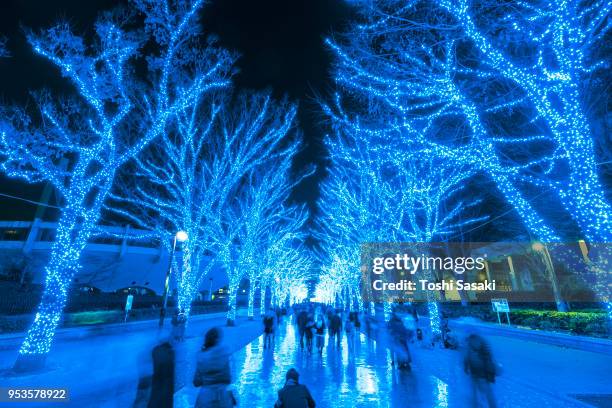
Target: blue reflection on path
point(364, 376)
point(361, 377)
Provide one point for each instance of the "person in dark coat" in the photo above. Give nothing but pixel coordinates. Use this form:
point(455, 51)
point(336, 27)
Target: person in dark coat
point(302, 319)
point(279, 314)
point(294, 394)
point(319, 329)
point(162, 383)
point(309, 331)
point(213, 374)
point(335, 327)
point(479, 365)
point(357, 321)
point(399, 342)
point(268, 322)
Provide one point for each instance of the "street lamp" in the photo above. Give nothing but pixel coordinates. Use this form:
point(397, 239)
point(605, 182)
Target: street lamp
point(210, 296)
point(180, 236)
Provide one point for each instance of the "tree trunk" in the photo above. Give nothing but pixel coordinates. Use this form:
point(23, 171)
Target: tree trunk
point(71, 238)
point(585, 201)
point(262, 300)
point(532, 220)
point(252, 289)
point(434, 317)
point(583, 195)
point(231, 301)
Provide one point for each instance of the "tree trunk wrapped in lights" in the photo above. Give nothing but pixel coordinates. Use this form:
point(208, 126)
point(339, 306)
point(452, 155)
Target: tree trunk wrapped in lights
point(188, 180)
point(386, 191)
point(518, 75)
point(78, 143)
point(267, 221)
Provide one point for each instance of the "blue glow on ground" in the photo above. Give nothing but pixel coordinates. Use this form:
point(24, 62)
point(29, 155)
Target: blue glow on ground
point(366, 378)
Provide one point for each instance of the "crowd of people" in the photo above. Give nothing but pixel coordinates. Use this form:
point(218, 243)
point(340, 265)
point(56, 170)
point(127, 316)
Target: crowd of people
point(315, 324)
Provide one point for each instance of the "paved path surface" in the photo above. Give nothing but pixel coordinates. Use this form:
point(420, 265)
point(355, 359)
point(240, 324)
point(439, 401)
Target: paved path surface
point(104, 370)
point(364, 376)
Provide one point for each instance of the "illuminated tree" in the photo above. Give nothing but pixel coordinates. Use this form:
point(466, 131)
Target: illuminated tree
point(357, 206)
point(290, 265)
point(561, 38)
point(329, 285)
point(78, 143)
point(386, 192)
point(515, 74)
point(286, 232)
point(339, 280)
point(201, 166)
point(269, 223)
point(237, 221)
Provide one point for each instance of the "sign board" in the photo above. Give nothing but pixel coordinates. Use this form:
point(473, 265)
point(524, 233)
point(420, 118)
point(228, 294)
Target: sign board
point(128, 303)
point(500, 305)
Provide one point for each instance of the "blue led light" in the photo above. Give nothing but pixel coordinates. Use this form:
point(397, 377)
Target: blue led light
point(221, 175)
point(79, 144)
point(415, 84)
point(406, 70)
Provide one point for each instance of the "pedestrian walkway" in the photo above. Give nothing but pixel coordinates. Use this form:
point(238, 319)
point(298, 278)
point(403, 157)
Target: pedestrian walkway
point(103, 371)
point(364, 377)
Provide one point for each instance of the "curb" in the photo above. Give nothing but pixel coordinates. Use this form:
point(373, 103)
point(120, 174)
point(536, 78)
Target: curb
point(584, 343)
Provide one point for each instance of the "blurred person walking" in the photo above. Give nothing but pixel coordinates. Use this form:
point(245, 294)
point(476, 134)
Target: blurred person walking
point(268, 322)
point(213, 374)
point(357, 321)
point(319, 329)
point(309, 332)
point(479, 365)
point(411, 325)
point(162, 382)
point(302, 320)
point(279, 315)
point(349, 328)
point(448, 340)
point(335, 327)
point(399, 342)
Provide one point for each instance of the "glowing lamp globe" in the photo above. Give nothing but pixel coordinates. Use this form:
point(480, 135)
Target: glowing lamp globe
point(181, 236)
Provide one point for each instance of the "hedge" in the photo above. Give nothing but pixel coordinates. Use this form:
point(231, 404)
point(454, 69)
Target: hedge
point(591, 323)
point(20, 323)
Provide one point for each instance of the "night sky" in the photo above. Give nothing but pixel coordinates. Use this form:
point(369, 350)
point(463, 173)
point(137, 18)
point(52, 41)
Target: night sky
point(281, 48)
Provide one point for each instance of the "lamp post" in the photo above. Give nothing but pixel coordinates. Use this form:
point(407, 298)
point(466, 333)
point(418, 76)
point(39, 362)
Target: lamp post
point(210, 289)
point(180, 236)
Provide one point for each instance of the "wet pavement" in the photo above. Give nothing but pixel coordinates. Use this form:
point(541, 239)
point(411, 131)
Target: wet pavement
point(104, 370)
point(363, 376)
